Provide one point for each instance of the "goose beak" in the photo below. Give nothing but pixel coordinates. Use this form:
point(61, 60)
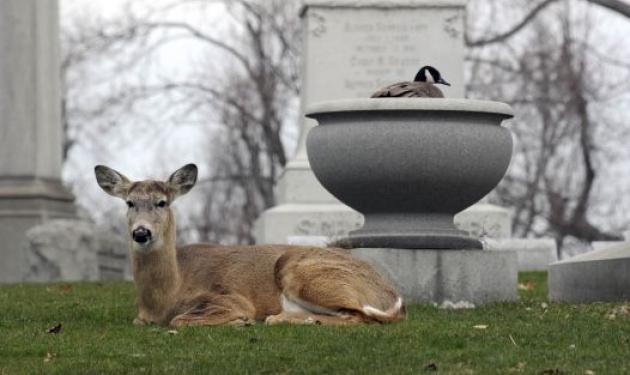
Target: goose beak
point(442, 81)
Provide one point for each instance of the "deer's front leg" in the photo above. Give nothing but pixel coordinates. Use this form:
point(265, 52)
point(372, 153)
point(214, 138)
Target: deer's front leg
point(142, 319)
point(138, 321)
point(216, 310)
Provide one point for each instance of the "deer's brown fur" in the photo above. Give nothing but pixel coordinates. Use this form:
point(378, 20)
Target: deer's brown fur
point(205, 284)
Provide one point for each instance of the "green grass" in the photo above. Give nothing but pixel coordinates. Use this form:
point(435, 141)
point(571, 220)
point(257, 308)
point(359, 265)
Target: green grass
point(531, 337)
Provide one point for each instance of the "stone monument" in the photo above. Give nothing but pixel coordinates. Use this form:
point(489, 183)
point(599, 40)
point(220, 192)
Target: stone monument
point(351, 49)
point(30, 131)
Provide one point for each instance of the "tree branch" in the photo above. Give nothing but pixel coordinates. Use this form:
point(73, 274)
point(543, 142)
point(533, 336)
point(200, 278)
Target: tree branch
point(515, 29)
point(203, 37)
point(618, 6)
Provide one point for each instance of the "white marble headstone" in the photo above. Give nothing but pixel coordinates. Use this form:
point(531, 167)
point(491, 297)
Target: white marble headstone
point(351, 51)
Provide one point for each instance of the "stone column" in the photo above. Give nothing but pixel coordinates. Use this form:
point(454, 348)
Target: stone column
point(30, 131)
point(352, 48)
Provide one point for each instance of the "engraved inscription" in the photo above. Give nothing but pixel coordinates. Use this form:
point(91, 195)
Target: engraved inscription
point(483, 226)
point(328, 228)
point(382, 50)
point(318, 24)
point(451, 26)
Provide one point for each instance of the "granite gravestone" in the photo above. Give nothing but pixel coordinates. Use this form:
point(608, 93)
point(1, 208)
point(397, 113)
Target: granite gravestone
point(602, 275)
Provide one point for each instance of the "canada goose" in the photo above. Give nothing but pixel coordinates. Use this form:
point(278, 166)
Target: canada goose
point(422, 86)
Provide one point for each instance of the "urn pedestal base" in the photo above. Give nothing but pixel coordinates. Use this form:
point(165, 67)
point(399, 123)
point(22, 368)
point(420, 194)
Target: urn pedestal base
point(409, 231)
point(409, 241)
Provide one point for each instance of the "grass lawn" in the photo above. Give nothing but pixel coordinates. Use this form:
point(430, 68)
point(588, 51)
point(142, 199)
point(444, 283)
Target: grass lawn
point(530, 337)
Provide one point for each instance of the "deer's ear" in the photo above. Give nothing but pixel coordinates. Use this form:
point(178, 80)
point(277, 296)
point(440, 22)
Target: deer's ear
point(182, 180)
point(113, 182)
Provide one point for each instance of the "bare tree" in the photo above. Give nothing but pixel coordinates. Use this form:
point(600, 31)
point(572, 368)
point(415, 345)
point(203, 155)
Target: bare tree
point(550, 75)
point(246, 86)
point(251, 101)
point(115, 46)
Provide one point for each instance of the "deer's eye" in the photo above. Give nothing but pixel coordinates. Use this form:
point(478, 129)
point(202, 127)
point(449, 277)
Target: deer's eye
point(161, 204)
point(130, 204)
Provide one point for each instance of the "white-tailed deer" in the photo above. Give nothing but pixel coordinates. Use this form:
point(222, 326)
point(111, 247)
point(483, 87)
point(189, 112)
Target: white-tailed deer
point(212, 285)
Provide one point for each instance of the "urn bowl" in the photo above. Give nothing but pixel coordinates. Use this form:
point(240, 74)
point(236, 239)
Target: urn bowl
point(409, 165)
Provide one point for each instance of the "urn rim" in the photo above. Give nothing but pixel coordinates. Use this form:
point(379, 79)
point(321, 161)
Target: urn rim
point(409, 104)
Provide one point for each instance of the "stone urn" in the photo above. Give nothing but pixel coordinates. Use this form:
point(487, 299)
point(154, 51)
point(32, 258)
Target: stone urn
point(409, 165)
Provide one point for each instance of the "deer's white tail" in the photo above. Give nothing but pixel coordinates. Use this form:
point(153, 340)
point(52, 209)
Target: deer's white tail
point(384, 316)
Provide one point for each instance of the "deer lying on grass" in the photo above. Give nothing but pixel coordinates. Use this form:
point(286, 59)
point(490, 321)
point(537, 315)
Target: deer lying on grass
point(213, 285)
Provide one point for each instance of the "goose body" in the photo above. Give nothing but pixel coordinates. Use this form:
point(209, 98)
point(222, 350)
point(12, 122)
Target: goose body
point(423, 86)
point(409, 90)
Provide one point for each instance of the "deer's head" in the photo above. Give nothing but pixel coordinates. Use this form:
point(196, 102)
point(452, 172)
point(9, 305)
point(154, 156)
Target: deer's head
point(149, 216)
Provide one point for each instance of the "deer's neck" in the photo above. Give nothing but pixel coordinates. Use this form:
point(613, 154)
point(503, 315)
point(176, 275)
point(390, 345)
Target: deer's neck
point(156, 275)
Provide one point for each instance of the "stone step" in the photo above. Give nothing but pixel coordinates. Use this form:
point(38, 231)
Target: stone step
point(534, 254)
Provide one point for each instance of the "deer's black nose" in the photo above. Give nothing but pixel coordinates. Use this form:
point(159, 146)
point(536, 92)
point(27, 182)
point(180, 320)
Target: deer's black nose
point(141, 235)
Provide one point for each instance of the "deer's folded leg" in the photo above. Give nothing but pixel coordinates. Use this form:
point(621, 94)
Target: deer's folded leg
point(308, 318)
point(216, 310)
